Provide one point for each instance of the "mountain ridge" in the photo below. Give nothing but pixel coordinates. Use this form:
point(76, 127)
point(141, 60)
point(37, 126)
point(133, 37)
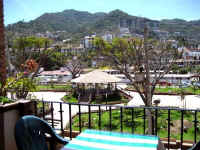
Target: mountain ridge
point(81, 23)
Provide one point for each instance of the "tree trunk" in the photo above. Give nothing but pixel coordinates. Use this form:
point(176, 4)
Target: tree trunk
point(73, 76)
point(148, 94)
point(2, 52)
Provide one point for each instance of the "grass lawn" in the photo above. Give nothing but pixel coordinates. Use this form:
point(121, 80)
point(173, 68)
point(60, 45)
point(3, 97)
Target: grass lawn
point(70, 99)
point(55, 87)
point(177, 90)
point(174, 90)
point(138, 122)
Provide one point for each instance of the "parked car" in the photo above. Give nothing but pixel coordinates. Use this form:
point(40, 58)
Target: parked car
point(185, 84)
point(196, 84)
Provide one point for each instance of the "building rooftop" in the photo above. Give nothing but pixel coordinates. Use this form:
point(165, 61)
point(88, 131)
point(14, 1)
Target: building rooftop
point(55, 72)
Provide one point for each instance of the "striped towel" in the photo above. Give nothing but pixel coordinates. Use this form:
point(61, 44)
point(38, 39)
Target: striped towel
point(105, 140)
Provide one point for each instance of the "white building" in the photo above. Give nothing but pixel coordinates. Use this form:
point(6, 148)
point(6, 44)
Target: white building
point(162, 34)
point(88, 41)
point(193, 54)
point(107, 37)
point(174, 43)
point(124, 32)
point(57, 76)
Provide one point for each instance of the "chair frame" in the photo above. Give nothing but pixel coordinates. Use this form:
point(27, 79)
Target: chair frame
point(30, 129)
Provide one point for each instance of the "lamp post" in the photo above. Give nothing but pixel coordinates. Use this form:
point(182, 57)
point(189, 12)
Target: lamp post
point(156, 102)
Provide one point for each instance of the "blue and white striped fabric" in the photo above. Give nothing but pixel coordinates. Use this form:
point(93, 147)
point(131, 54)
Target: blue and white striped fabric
point(105, 140)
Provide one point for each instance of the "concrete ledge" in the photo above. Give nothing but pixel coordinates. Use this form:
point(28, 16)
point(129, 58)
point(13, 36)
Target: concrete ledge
point(74, 133)
point(176, 144)
point(9, 114)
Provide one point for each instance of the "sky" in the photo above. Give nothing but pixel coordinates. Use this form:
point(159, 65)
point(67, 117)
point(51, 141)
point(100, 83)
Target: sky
point(26, 10)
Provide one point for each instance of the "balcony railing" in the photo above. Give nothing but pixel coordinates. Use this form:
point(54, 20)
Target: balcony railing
point(171, 124)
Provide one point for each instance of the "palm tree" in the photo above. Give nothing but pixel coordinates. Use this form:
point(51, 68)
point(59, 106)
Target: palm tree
point(2, 53)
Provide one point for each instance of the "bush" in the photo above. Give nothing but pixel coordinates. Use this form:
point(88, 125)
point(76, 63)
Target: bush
point(4, 100)
point(70, 99)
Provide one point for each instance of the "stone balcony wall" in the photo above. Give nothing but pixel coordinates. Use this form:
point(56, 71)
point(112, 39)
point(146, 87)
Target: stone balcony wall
point(9, 114)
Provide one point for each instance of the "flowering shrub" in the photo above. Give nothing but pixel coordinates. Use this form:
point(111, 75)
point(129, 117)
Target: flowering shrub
point(4, 100)
point(30, 66)
point(21, 85)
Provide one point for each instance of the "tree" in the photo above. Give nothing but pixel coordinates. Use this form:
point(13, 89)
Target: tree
point(3, 72)
point(74, 65)
point(53, 60)
point(25, 48)
point(23, 82)
point(20, 85)
point(27, 58)
point(139, 57)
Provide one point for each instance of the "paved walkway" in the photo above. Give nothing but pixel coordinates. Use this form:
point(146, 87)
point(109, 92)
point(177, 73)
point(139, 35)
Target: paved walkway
point(190, 101)
point(56, 97)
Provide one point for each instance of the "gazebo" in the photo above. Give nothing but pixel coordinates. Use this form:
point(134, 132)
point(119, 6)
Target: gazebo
point(95, 84)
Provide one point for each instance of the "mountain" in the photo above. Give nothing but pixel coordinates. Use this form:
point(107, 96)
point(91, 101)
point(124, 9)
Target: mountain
point(81, 23)
point(189, 29)
point(69, 20)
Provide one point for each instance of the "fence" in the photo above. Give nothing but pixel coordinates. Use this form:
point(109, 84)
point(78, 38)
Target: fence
point(171, 124)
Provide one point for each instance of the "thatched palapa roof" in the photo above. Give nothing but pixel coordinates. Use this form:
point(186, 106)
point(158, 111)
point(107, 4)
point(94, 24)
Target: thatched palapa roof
point(96, 76)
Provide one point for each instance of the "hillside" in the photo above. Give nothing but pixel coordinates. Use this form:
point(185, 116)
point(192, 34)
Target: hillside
point(81, 23)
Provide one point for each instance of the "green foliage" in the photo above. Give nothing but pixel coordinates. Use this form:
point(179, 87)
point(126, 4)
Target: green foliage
point(30, 42)
point(21, 85)
point(117, 48)
point(40, 105)
point(184, 70)
point(53, 60)
point(74, 22)
point(175, 68)
point(197, 69)
point(4, 100)
point(21, 82)
point(115, 97)
point(122, 51)
point(188, 28)
point(70, 98)
point(175, 90)
point(24, 48)
point(26, 83)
